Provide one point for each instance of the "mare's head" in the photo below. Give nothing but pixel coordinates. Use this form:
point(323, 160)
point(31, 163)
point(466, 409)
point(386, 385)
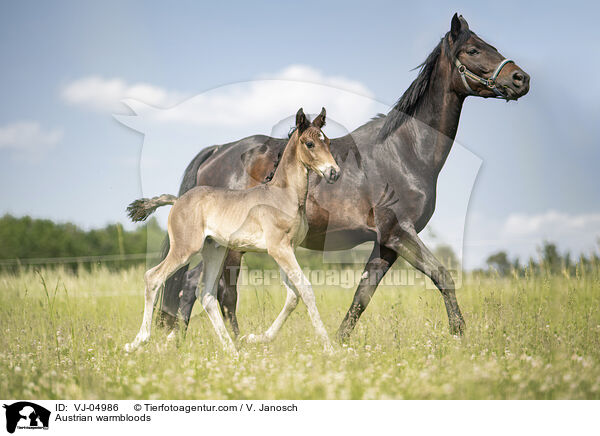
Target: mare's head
point(479, 69)
point(313, 146)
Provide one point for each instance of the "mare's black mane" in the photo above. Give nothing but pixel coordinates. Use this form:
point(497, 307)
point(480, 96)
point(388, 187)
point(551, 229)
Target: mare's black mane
point(407, 105)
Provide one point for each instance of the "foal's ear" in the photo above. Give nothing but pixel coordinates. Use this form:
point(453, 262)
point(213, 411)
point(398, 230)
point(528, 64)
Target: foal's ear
point(320, 120)
point(458, 25)
point(301, 121)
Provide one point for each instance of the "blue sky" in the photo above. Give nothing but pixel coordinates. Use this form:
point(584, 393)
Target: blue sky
point(65, 66)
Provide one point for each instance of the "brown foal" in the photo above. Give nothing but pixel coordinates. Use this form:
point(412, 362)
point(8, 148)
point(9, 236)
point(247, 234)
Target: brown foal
point(269, 217)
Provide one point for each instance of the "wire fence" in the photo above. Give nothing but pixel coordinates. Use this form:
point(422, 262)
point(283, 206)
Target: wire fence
point(79, 259)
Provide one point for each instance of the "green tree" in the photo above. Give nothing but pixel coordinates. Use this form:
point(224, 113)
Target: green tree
point(550, 259)
point(26, 238)
point(445, 254)
point(499, 262)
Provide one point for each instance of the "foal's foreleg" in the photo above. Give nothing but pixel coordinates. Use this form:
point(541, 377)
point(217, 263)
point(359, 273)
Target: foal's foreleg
point(288, 263)
point(291, 301)
point(213, 257)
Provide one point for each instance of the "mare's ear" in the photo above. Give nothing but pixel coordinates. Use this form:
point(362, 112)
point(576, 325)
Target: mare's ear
point(320, 120)
point(301, 121)
point(458, 25)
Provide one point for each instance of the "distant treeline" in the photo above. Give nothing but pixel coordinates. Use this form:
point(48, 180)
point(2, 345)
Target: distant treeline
point(549, 261)
point(26, 238)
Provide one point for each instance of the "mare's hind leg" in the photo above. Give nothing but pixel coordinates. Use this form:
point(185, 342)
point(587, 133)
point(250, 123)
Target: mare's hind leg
point(227, 289)
point(380, 261)
point(286, 259)
point(291, 302)
point(154, 279)
point(213, 257)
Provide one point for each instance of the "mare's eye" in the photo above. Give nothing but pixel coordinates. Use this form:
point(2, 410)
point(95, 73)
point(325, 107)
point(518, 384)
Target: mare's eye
point(472, 52)
point(310, 144)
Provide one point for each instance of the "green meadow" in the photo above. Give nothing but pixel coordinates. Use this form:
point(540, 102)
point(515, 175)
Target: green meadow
point(529, 336)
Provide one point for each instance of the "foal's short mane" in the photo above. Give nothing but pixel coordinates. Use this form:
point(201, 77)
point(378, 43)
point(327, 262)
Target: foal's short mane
point(407, 105)
point(275, 164)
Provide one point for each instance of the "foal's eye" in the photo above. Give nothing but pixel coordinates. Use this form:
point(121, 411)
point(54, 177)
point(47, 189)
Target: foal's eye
point(310, 144)
point(472, 52)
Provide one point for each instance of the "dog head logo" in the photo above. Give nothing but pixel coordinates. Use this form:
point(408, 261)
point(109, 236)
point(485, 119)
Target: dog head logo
point(26, 415)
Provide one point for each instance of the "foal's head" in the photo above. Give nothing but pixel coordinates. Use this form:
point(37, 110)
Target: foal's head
point(313, 146)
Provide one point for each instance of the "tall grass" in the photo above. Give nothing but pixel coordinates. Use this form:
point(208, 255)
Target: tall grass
point(529, 337)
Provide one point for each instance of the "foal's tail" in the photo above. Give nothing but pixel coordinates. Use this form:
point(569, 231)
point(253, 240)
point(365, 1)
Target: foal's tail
point(141, 209)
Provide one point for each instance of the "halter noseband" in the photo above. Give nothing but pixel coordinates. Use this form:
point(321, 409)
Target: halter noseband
point(490, 83)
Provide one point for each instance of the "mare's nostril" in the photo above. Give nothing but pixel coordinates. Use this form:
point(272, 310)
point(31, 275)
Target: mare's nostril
point(518, 78)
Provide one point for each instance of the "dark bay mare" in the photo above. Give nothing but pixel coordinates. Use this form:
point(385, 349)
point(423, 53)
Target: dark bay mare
point(386, 193)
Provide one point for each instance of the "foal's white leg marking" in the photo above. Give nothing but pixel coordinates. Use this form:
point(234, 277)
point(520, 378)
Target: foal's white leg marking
point(150, 294)
point(172, 335)
point(291, 301)
point(154, 279)
point(288, 263)
point(214, 257)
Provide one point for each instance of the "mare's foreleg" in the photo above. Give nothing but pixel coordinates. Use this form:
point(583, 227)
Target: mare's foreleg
point(407, 244)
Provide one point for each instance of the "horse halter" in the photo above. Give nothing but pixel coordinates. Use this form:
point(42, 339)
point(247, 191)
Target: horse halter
point(490, 83)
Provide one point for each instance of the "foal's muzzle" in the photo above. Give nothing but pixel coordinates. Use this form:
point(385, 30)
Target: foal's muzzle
point(332, 174)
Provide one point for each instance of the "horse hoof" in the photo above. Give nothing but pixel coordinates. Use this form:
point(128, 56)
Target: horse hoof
point(250, 338)
point(457, 329)
point(328, 349)
point(129, 348)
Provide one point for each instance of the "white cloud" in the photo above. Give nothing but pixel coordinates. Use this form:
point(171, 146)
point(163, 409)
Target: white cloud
point(105, 94)
point(271, 97)
point(552, 224)
point(577, 233)
point(521, 234)
point(28, 138)
point(304, 73)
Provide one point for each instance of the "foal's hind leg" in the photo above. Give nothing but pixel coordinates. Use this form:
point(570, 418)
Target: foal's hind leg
point(287, 261)
point(154, 279)
point(291, 302)
point(214, 257)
